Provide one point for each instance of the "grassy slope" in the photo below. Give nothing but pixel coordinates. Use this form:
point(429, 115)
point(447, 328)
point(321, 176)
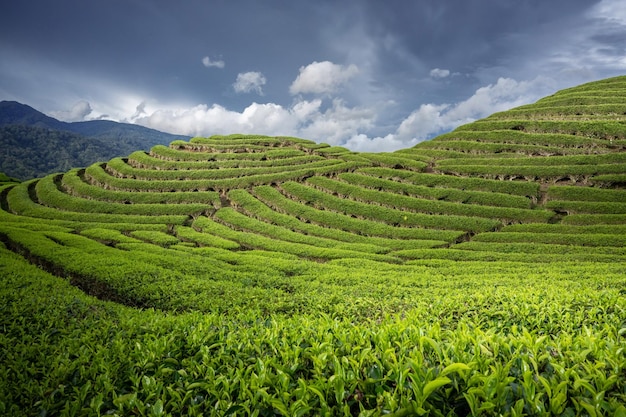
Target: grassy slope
point(290, 295)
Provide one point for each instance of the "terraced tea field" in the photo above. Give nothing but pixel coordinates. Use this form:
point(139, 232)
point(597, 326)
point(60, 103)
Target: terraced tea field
point(482, 272)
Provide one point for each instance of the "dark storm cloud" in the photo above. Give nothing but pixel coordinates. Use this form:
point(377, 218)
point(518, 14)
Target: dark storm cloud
point(147, 43)
point(466, 36)
point(367, 73)
point(467, 30)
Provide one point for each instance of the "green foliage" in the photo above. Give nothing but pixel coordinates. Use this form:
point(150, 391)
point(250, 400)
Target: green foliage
point(38, 146)
point(254, 240)
point(97, 175)
point(483, 149)
point(396, 161)
point(263, 276)
point(453, 353)
point(72, 183)
point(594, 129)
point(554, 238)
point(277, 201)
point(156, 237)
point(595, 219)
point(587, 207)
point(413, 204)
point(120, 168)
point(6, 179)
point(559, 140)
point(462, 183)
point(48, 194)
point(255, 208)
point(610, 158)
point(586, 194)
point(19, 200)
point(442, 194)
point(146, 161)
point(531, 172)
point(309, 195)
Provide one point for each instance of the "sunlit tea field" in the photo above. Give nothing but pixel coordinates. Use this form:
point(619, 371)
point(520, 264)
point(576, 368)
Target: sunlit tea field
point(480, 273)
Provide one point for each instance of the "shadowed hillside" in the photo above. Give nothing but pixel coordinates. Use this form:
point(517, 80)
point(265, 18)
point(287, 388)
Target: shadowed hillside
point(478, 273)
point(35, 145)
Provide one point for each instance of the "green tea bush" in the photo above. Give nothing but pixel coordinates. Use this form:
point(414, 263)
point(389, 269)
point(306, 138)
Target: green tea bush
point(49, 195)
point(396, 161)
point(610, 158)
point(586, 194)
point(594, 219)
point(532, 172)
point(141, 160)
point(479, 148)
point(594, 129)
point(519, 137)
point(462, 183)
point(20, 202)
point(188, 234)
point(445, 194)
point(120, 167)
point(74, 185)
point(567, 229)
point(554, 238)
point(325, 218)
point(309, 195)
point(257, 241)
point(413, 204)
point(587, 253)
point(255, 208)
point(587, 207)
point(241, 222)
point(283, 299)
point(156, 237)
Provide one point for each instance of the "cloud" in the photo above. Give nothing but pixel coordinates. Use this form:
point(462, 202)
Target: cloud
point(77, 113)
point(610, 10)
point(439, 73)
point(431, 119)
point(203, 120)
point(249, 81)
point(140, 110)
point(206, 61)
point(389, 143)
point(322, 78)
point(336, 123)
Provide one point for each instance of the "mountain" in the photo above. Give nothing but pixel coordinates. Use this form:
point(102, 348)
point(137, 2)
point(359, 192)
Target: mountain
point(37, 144)
point(14, 113)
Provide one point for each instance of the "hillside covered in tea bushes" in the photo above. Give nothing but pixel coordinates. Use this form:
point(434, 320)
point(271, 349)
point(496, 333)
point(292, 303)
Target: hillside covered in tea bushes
point(481, 272)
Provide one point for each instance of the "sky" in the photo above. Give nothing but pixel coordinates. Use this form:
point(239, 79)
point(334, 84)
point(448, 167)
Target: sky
point(368, 75)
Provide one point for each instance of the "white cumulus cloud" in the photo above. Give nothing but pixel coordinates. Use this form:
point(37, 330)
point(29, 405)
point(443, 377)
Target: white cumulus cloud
point(77, 113)
point(203, 120)
point(206, 61)
point(307, 119)
point(322, 77)
point(439, 73)
point(337, 123)
point(431, 119)
point(249, 81)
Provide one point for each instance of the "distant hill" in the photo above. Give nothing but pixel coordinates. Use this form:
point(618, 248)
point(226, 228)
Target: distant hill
point(35, 144)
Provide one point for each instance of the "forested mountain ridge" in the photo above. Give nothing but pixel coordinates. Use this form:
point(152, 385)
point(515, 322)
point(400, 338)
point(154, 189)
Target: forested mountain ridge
point(35, 144)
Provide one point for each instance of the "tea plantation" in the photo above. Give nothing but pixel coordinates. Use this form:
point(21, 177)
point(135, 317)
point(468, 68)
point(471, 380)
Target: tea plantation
point(480, 273)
